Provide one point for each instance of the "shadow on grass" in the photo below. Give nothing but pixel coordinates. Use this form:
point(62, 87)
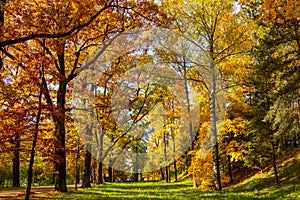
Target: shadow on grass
point(290, 173)
point(152, 191)
point(148, 185)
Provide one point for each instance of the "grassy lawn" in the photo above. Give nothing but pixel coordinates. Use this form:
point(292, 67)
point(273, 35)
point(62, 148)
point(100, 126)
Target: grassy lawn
point(184, 190)
point(259, 186)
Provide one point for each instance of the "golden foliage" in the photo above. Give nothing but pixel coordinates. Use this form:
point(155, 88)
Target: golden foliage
point(280, 10)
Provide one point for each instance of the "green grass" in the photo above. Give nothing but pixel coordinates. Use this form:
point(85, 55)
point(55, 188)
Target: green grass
point(260, 186)
point(257, 188)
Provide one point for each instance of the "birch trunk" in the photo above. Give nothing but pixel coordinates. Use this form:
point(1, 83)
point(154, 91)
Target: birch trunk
point(213, 127)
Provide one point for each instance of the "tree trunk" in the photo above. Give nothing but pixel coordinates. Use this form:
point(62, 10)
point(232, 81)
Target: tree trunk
point(100, 173)
point(136, 177)
point(87, 167)
point(16, 169)
point(173, 143)
point(60, 159)
point(16, 162)
point(195, 184)
point(188, 156)
point(162, 173)
point(110, 172)
point(95, 175)
point(3, 2)
point(35, 137)
point(213, 124)
point(77, 169)
point(175, 171)
point(87, 176)
point(136, 167)
point(77, 174)
point(187, 96)
point(100, 167)
point(165, 157)
point(59, 141)
point(295, 139)
point(2, 5)
point(274, 164)
point(229, 168)
point(167, 173)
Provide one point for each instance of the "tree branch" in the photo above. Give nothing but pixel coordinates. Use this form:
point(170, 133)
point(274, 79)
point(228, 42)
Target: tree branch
point(59, 35)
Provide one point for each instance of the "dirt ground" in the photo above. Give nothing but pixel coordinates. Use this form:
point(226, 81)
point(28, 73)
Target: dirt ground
point(39, 192)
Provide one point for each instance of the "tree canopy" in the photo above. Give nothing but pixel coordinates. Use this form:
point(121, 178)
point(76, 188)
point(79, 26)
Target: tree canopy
point(135, 90)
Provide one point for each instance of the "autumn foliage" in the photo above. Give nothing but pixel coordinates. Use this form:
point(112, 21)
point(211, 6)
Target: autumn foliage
point(246, 91)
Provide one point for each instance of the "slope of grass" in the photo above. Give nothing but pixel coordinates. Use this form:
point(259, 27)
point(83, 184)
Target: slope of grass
point(263, 185)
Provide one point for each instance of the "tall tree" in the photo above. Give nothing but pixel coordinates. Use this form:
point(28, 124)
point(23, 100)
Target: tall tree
point(216, 28)
point(35, 137)
point(274, 80)
point(65, 48)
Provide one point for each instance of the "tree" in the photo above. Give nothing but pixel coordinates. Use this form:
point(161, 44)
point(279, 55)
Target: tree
point(64, 48)
point(18, 111)
point(30, 34)
point(232, 146)
point(215, 28)
point(274, 73)
point(35, 137)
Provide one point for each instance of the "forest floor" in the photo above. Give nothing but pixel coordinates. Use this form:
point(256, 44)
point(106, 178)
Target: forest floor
point(259, 186)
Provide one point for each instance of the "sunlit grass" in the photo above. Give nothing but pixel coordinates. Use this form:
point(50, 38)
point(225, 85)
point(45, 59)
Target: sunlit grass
point(183, 190)
point(260, 186)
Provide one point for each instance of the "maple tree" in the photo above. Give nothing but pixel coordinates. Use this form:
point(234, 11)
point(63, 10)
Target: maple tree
point(35, 137)
point(18, 111)
point(64, 49)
